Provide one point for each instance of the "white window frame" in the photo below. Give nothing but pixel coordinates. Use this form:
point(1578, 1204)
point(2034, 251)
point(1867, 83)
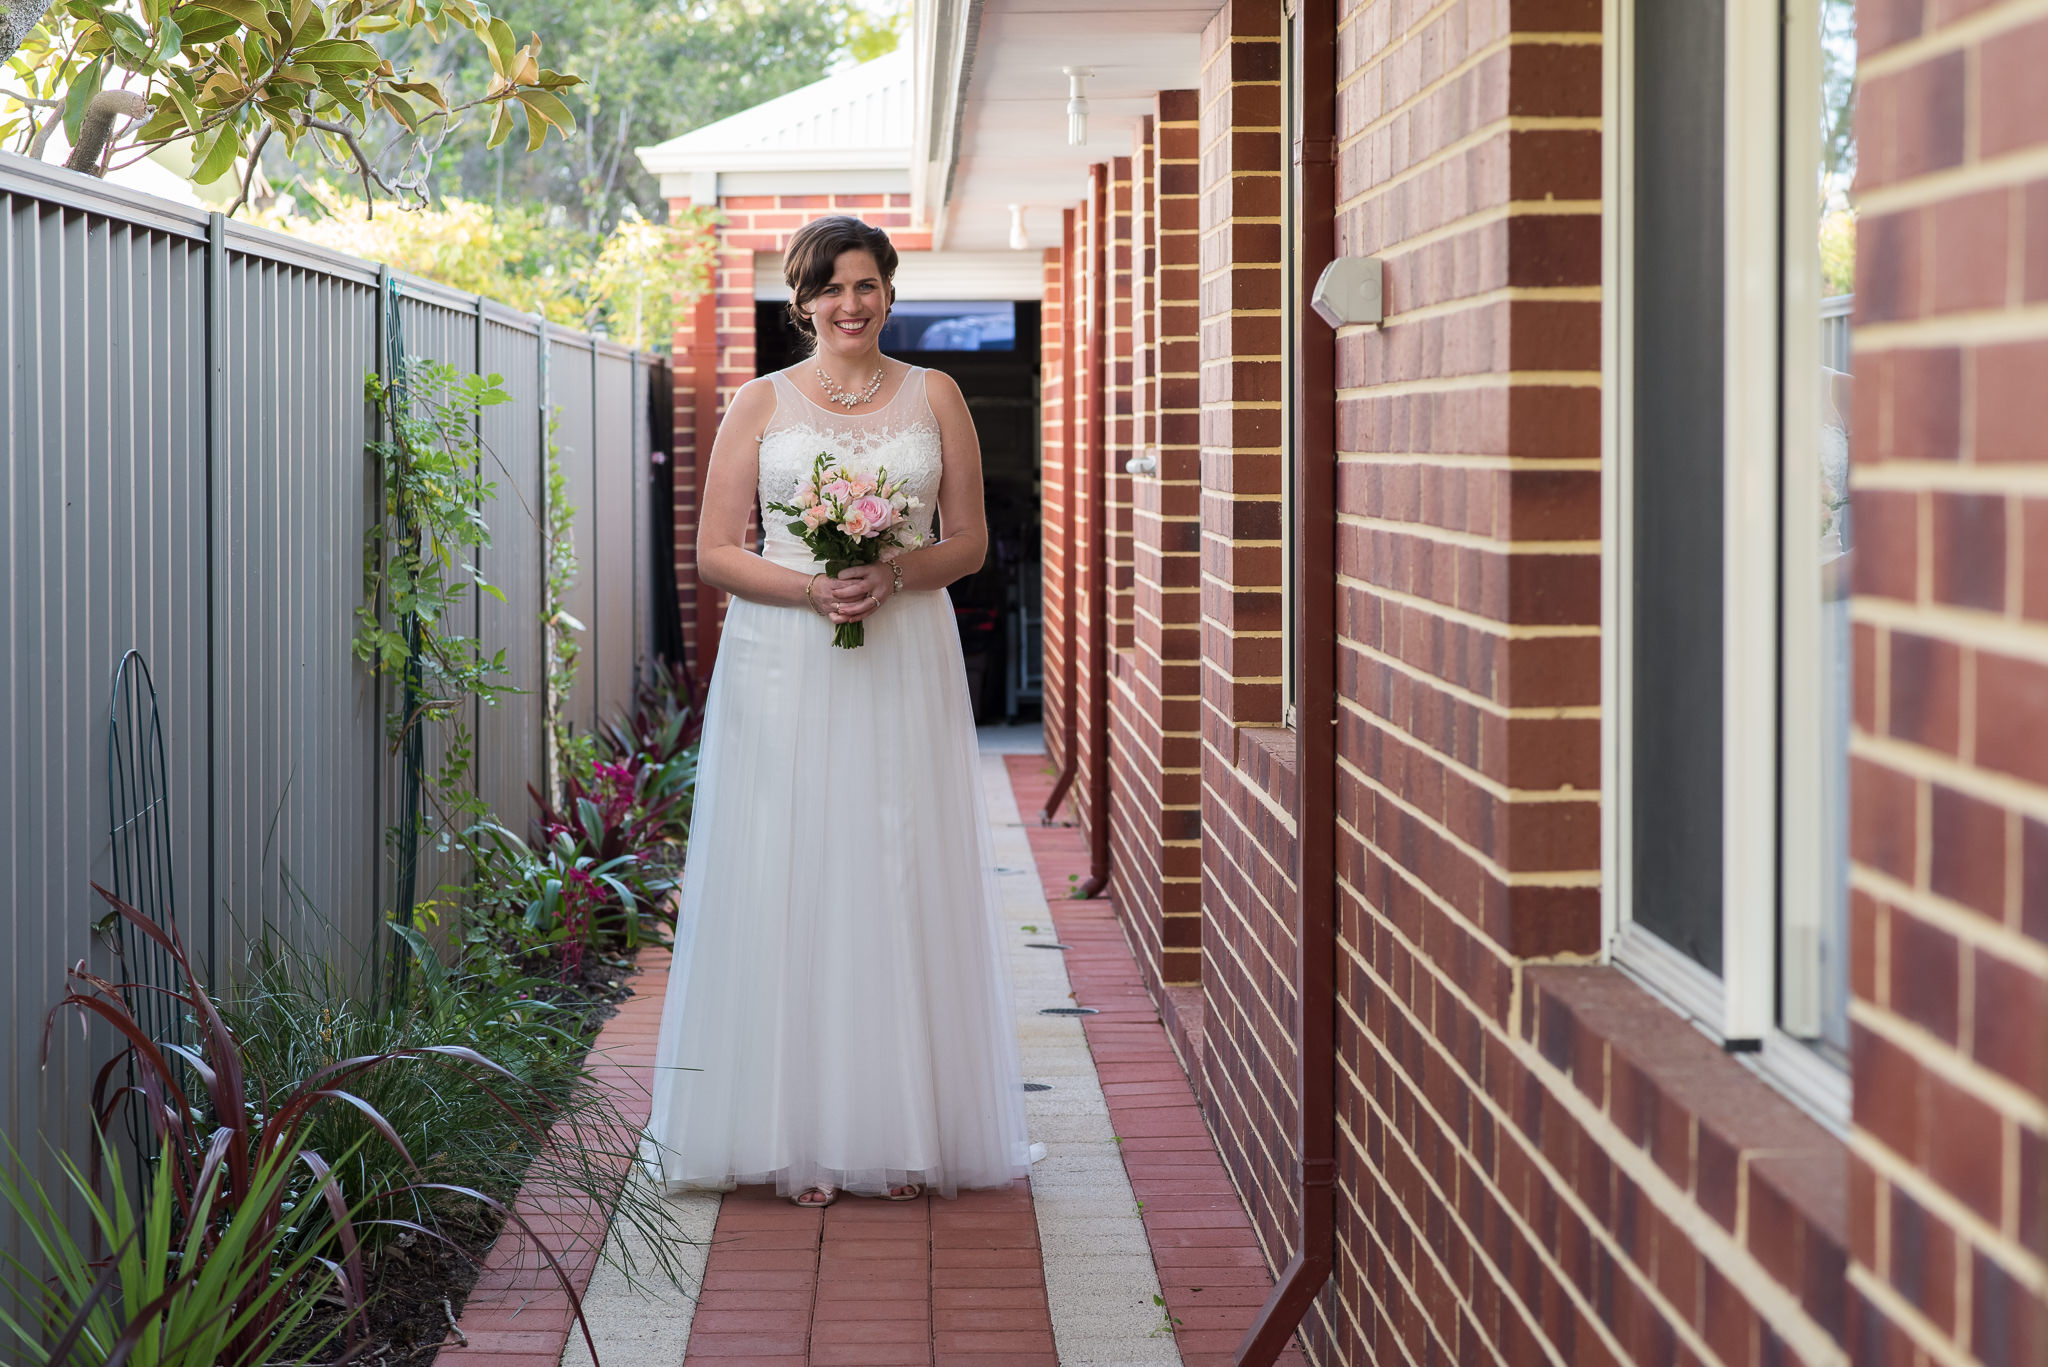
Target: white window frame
point(1763, 349)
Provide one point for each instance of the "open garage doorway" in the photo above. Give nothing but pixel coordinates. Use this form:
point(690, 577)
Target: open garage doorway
point(991, 350)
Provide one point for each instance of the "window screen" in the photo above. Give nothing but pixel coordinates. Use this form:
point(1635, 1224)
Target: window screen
point(1677, 550)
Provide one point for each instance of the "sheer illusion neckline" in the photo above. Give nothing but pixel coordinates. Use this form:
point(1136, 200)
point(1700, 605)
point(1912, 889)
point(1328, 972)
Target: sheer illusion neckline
point(902, 386)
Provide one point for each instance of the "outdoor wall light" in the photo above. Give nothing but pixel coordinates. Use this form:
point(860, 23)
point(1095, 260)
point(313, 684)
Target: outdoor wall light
point(1348, 291)
point(1018, 241)
point(1077, 104)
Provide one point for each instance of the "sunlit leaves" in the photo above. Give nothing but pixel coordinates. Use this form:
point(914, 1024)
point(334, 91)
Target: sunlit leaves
point(220, 72)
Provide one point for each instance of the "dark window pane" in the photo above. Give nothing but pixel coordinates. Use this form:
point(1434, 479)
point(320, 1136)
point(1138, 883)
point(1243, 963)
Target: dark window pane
point(1676, 635)
point(925, 325)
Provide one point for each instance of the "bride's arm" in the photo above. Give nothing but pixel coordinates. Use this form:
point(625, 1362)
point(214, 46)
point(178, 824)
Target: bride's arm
point(730, 490)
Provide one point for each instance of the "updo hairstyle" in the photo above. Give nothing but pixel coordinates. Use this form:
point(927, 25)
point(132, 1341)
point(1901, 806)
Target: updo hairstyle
point(814, 251)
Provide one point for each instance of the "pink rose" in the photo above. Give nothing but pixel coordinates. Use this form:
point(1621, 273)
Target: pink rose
point(806, 497)
point(873, 511)
point(854, 525)
point(839, 489)
point(816, 516)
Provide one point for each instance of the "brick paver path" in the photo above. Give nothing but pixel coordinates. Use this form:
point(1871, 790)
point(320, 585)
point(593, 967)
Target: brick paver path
point(1210, 1267)
point(518, 1315)
point(874, 1282)
point(954, 1283)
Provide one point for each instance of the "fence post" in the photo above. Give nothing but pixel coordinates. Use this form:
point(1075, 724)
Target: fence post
point(216, 418)
point(595, 634)
point(550, 761)
point(476, 776)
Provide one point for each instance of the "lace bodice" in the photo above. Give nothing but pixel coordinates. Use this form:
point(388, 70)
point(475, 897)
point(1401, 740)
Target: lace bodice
point(901, 437)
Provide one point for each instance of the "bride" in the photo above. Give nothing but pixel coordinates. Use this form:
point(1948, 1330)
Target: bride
point(837, 1016)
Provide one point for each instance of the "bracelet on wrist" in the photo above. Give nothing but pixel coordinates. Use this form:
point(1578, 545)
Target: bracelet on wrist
point(896, 573)
point(810, 584)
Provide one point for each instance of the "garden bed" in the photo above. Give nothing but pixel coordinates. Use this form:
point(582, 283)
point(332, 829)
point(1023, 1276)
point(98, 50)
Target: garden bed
point(420, 1287)
point(518, 1313)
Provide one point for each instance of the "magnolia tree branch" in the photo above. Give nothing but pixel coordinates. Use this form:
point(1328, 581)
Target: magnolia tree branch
point(364, 167)
point(97, 129)
point(17, 19)
point(250, 171)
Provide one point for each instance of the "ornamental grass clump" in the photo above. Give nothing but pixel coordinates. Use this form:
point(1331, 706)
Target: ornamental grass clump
point(162, 1285)
point(259, 1176)
point(537, 1121)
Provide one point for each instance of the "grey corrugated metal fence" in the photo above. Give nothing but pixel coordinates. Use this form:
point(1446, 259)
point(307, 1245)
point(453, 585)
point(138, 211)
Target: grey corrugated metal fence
point(184, 425)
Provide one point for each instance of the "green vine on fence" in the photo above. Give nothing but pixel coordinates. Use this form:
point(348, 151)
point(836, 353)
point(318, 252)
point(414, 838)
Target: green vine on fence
point(567, 751)
point(418, 572)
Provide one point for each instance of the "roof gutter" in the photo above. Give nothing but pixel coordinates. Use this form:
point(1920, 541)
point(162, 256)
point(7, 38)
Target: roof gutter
point(945, 32)
point(1314, 35)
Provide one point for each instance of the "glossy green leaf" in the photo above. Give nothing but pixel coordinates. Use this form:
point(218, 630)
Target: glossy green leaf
point(83, 88)
point(551, 108)
point(248, 13)
point(220, 158)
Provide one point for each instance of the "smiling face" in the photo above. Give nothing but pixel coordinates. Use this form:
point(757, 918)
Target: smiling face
point(849, 310)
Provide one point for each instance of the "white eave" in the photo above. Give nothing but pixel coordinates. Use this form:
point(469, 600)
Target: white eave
point(850, 131)
point(991, 105)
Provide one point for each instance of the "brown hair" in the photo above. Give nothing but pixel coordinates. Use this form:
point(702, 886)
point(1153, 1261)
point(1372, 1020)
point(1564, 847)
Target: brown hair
point(815, 249)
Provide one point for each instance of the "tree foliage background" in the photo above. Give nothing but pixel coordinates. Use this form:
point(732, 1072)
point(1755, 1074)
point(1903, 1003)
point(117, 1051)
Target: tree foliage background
point(651, 69)
point(399, 123)
point(575, 228)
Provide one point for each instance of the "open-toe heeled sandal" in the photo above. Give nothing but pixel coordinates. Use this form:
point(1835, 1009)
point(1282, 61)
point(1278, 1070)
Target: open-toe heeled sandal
point(828, 1194)
point(909, 1191)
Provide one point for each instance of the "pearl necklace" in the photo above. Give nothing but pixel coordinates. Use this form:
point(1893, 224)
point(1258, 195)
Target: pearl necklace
point(846, 398)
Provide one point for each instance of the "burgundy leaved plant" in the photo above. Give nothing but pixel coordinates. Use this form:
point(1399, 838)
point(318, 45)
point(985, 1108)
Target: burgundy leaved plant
point(203, 1113)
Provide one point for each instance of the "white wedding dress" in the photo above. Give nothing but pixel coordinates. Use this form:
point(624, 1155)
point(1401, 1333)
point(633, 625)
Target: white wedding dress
point(838, 1009)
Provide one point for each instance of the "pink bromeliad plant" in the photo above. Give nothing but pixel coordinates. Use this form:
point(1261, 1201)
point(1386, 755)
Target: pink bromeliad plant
point(847, 518)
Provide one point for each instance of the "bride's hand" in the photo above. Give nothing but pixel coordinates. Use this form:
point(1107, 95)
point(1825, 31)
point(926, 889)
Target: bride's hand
point(859, 592)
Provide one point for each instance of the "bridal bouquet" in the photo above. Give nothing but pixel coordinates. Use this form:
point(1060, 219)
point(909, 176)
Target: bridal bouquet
point(848, 519)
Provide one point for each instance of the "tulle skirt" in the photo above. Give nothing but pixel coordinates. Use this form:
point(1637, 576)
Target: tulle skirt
point(838, 1010)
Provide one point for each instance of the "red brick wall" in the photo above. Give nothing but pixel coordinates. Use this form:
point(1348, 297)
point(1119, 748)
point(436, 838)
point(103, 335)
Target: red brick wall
point(1156, 875)
point(1248, 1012)
point(1135, 848)
point(1474, 1177)
point(1540, 1162)
point(1949, 781)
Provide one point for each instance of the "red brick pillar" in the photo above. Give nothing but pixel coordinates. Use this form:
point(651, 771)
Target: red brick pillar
point(1091, 514)
point(1247, 930)
point(1119, 371)
point(1057, 357)
point(1134, 867)
point(1166, 520)
point(1949, 763)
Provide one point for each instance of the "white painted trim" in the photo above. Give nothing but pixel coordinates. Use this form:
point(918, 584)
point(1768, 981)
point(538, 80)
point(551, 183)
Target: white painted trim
point(1802, 870)
point(1617, 196)
point(839, 181)
point(1673, 976)
point(1809, 1079)
point(1752, 377)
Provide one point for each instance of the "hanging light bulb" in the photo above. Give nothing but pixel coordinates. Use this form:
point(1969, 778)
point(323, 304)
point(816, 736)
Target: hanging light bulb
point(1077, 105)
point(1018, 241)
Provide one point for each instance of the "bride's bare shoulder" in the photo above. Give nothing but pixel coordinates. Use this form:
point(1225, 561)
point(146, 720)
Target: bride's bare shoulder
point(751, 409)
point(943, 393)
